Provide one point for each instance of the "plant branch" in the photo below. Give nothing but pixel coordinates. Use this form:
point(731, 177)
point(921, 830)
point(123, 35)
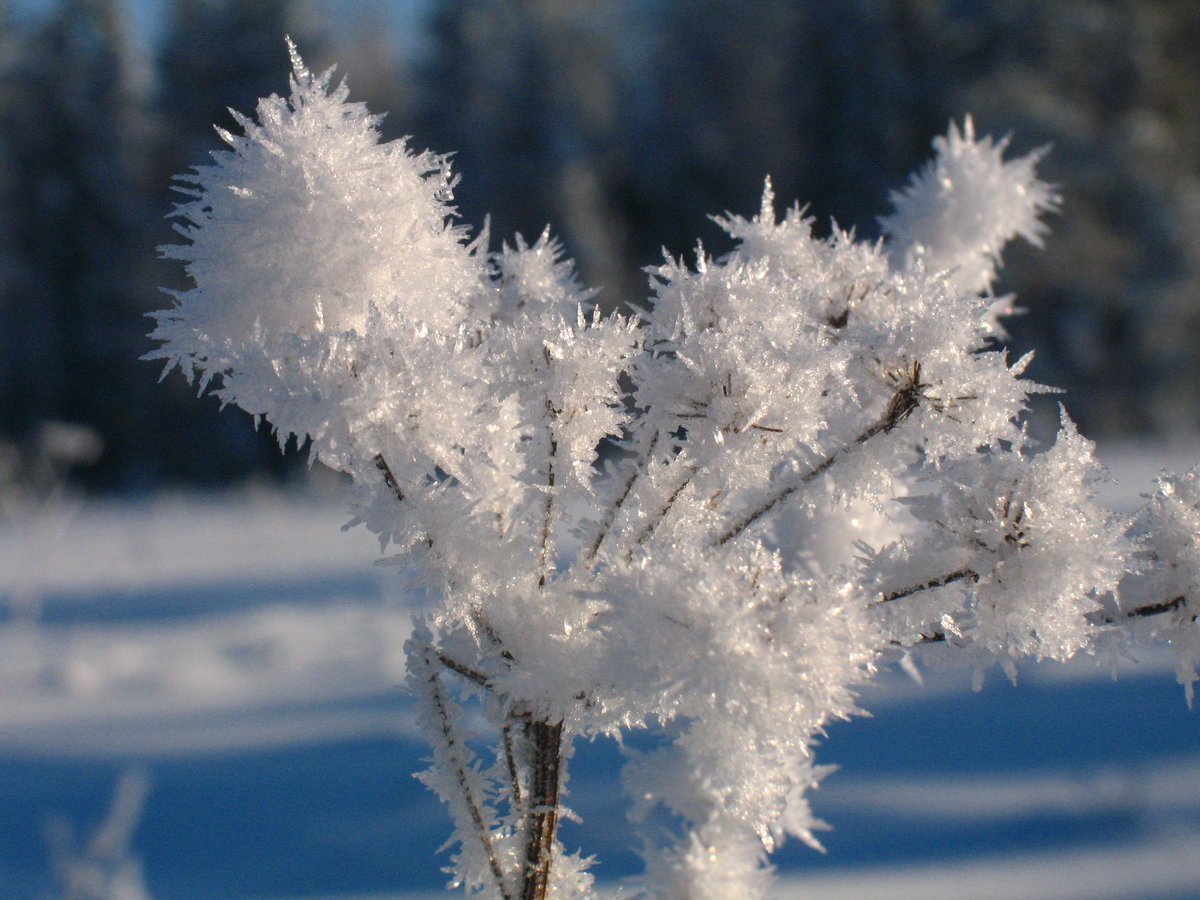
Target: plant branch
point(610, 517)
point(1155, 609)
point(545, 782)
point(465, 671)
point(903, 402)
point(511, 761)
point(459, 767)
point(544, 557)
point(932, 637)
point(547, 519)
point(963, 574)
point(1150, 609)
point(650, 527)
point(389, 477)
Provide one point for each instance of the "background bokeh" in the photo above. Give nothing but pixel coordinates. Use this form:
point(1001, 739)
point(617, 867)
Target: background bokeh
point(623, 124)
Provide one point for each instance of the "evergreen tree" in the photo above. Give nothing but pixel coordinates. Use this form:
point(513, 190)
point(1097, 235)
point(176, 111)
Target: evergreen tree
point(77, 132)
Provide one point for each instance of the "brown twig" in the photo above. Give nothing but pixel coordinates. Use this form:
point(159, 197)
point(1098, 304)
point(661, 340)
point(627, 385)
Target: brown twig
point(1155, 609)
point(545, 555)
point(460, 774)
point(932, 637)
point(547, 517)
point(545, 781)
point(1151, 609)
point(610, 518)
point(511, 761)
point(963, 574)
point(389, 478)
point(650, 527)
point(901, 405)
point(466, 671)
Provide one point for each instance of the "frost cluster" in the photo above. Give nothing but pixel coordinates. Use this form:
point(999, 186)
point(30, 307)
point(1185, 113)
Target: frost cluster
point(713, 520)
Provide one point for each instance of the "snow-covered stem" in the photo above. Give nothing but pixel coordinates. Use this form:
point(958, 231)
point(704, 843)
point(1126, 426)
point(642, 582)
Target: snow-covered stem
point(815, 465)
point(613, 509)
point(963, 574)
point(900, 406)
point(453, 760)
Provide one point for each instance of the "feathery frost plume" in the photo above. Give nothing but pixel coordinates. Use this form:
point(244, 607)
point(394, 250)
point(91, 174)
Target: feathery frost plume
point(959, 211)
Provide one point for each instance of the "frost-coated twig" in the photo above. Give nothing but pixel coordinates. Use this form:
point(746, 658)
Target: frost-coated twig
point(389, 477)
point(466, 671)
point(513, 775)
point(610, 516)
point(903, 402)
point(647, 530)
point(1156, 609)
point(452, 746)
point(963, 574)
point(545, 555)
point(1150, 610)
point(926, 637)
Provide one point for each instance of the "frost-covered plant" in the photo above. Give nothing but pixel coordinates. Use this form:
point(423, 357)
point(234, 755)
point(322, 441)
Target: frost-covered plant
point(714, 520)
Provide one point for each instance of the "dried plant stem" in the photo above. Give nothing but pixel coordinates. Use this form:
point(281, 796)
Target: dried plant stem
point(648, 530)
point(465, 671)
point(808, 477)
point(389, 477)
point(546, 554)
point(1156, 609)
point(904, 401)
point(610, 516)
point(963, 574)
point(1151, 609)
point(510, 760)
point(544, 782)
point(452, 746)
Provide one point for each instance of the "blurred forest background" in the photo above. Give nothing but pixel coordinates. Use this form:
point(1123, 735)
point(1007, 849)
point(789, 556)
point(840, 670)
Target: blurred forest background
point(624, 123)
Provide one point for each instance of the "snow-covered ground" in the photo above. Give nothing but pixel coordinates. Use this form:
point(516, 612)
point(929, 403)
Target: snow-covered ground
point(243, 650)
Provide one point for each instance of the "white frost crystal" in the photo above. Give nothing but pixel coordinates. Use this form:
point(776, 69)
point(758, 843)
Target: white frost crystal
point(958, 212)
point(1171, 592)
point(715, 520)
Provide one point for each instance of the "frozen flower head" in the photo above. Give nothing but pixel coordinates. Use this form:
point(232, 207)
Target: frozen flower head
point(304, 227)
point(959, 211)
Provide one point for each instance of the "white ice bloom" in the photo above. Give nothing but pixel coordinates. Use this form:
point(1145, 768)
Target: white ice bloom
point(958, 212)
point(1024, 540)
point(302, 229)
point(1169, 594)
point(566, 376)
point(709, 863)
point(714, 521)
point(537, 279)
point(797, 819)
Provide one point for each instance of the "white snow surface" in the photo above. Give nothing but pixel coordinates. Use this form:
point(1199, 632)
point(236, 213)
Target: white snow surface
point(253, 536)
point(109, 647)
point(1159, 868)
